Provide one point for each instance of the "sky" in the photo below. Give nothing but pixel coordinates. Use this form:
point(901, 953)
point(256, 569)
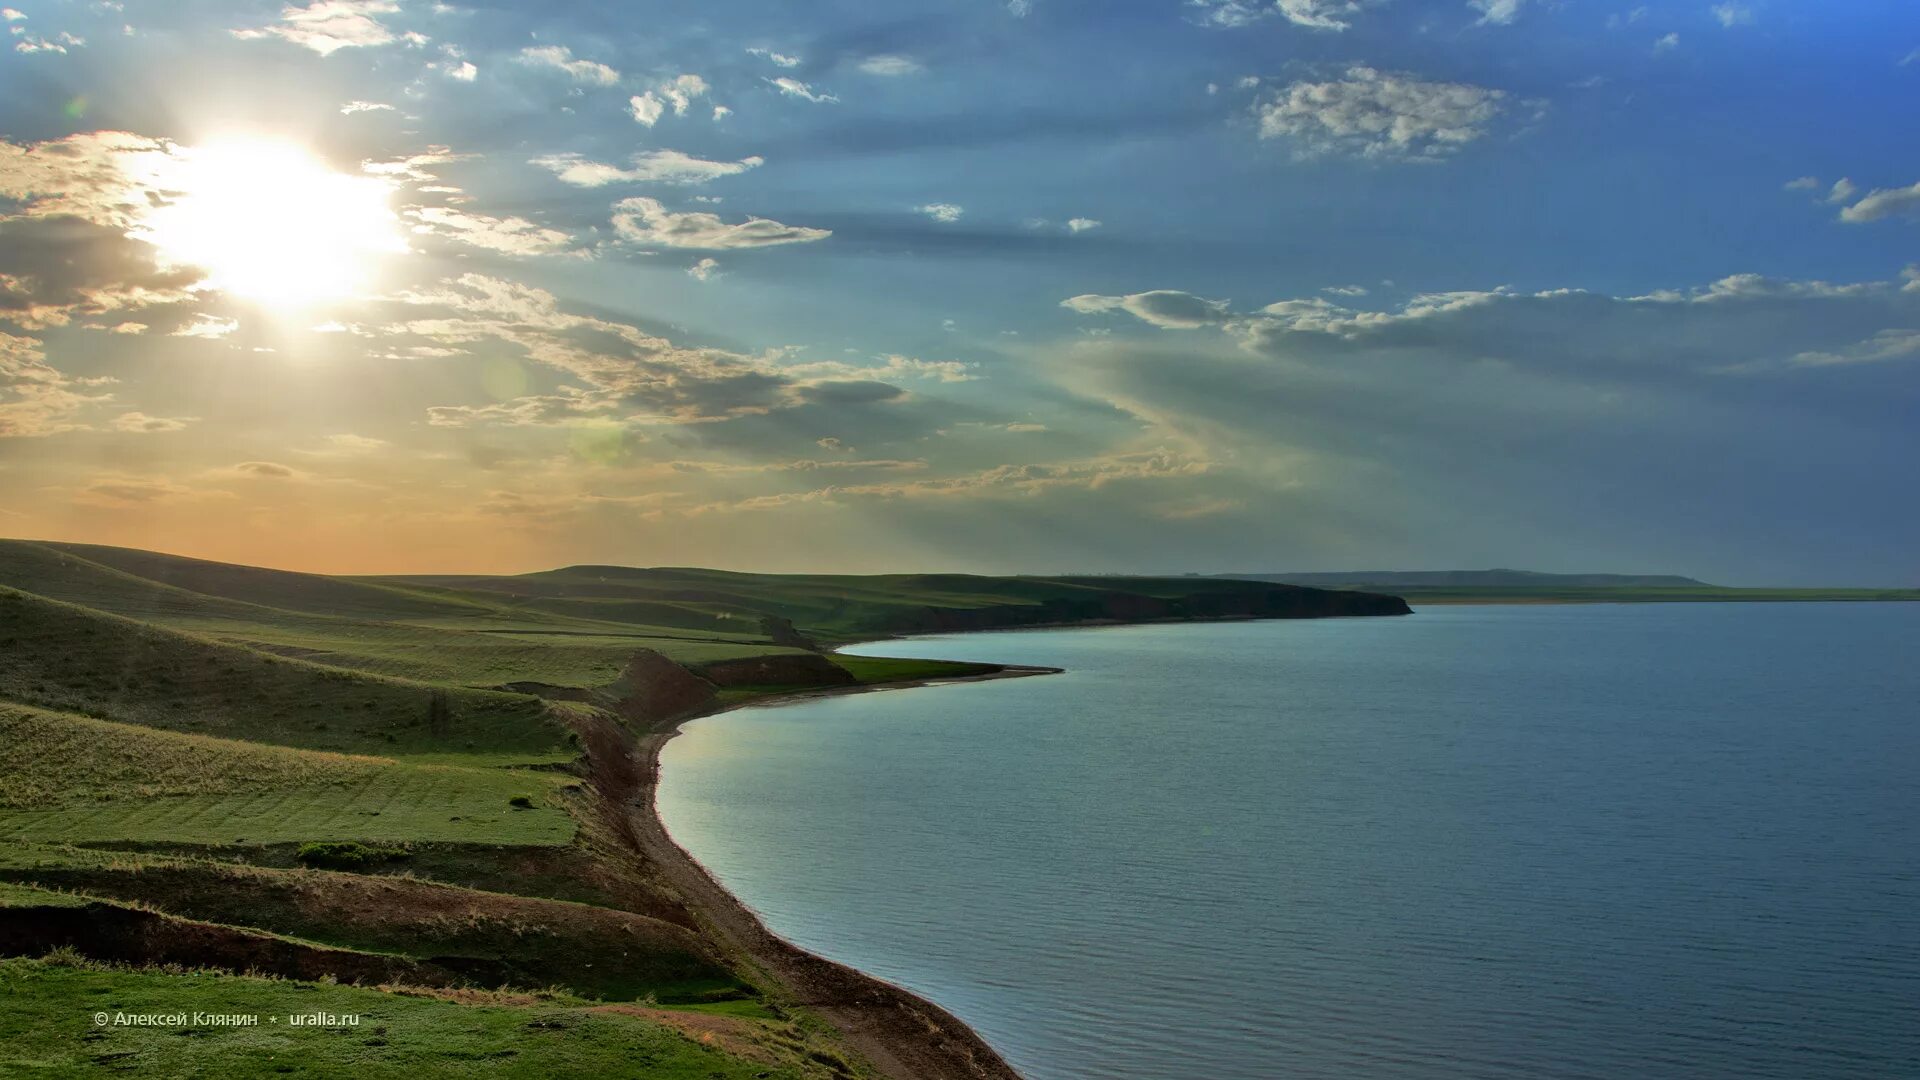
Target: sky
point(1038, 286)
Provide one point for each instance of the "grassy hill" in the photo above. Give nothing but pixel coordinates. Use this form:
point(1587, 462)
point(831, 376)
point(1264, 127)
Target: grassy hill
point(1532, 587)
point(425, 786)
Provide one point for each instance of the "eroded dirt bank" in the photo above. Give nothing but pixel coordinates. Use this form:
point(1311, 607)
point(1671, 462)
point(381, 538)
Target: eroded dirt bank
point(900, 1033)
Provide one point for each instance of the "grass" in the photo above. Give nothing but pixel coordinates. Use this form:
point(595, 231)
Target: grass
point(499, 939)
point(882, 669)
point(72, 659)
point(399, 804)
point(48, 1029)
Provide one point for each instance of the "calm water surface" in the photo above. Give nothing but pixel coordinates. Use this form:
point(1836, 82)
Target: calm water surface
point(1607, 841)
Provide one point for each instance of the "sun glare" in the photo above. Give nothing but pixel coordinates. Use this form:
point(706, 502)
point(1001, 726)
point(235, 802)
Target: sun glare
point(271, 223)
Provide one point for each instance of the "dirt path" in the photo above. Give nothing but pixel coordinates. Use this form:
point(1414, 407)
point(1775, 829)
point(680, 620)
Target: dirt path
point(902, 1034)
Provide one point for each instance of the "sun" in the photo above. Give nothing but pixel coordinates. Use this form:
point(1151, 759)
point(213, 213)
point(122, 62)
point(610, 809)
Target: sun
point(271, 223)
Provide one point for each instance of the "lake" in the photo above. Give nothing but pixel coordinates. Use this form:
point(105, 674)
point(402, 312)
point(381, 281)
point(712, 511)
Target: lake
point(1553, 841)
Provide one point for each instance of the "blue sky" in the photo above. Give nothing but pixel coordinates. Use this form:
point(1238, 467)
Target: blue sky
point(1151, 285)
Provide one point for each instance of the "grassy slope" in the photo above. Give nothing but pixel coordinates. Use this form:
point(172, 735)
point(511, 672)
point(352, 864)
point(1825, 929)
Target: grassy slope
point(47, 1029)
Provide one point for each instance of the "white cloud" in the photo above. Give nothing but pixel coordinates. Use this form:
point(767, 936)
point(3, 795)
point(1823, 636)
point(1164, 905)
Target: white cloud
point(945, 213)
point(677, 93)
point(1911, 58)
point(777, 59)
point(327, 26)
point(36, 399)
point(139, 423)
point(508, 235)
point(207, 326)
point(647, 221)
point(1019, 9)
point(1843, 189)
point(12, 14)
point(1345, 290)
point(561, 58)
point(352, 107)
point(1168, 309)
point(796, 88)
point(1497, 12)
point(891, 65)
point(1732, 14)
point(1883, 203)
point(1379, 114)
point(704, 270)
point(1667, 43)
point(1744, 324)
point(1082, 224)
point(1883, 346)
point(655, 166)
point(1804, 183)
point(1311, 14)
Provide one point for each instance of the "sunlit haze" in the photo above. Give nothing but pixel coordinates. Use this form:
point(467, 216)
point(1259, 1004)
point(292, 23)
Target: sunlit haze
point(268, 222)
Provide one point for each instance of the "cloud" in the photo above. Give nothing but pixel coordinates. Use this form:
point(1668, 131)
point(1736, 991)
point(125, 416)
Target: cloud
point(140, 423)
point(1743, 324)
point(891, 66)
point(1497, 12)
point(615, 372)
point(352, 107)
point(677, 94)
point(647, 108)
point(1885, 345)
point(561, 58)
point(796, 88)
point(656, 166)
point(508, 235)
point(1166, 308)
point(647, 221)
point(1804, 183)
point(1881, 203)
point(265, 470)
point(704, 270)
point(207, 326)
point(1733, 14)
point(945, 213)
point(1666, 44)
point(1082, 224)
point(1843, 189)
point(850, 392)
point(33, 43)
point(1334, 15)
point(35, 399)
point(1015, 480)
point(54, 270)
point(327, 26)
point(1345, 290)
point(1380, 115)
point(777, 59)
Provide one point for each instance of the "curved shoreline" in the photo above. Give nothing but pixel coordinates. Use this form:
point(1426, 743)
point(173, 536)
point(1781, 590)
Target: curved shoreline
point(900, 1033)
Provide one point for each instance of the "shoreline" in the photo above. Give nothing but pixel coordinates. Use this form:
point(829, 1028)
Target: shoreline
point(902, 1034)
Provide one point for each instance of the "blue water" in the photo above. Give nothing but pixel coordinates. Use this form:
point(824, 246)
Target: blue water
point(1597, 841)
